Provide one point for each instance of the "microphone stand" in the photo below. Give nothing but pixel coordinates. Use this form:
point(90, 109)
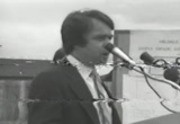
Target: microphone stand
point(156, 79)
point(141, 71)
point(163, 101)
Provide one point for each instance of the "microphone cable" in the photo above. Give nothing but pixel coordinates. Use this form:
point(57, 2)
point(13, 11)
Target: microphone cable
point(146, 76)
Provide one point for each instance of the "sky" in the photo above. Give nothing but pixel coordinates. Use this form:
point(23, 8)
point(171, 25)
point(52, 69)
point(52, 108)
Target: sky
point(30, 29)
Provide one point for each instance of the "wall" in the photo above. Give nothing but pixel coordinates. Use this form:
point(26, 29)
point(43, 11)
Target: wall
point(15, 78)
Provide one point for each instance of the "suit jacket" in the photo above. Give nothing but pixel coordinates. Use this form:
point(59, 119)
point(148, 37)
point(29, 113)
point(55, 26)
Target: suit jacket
point(60, 96)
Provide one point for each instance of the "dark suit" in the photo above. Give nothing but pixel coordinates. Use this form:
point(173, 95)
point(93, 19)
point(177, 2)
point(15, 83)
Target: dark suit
point(62, 97)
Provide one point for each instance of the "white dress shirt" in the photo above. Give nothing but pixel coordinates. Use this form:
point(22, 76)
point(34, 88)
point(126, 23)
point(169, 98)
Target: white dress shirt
point(85, 72)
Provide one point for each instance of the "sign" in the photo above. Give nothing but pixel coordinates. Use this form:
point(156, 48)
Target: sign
point(163, 44)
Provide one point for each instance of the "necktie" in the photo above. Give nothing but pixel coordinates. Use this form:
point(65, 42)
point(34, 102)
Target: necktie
point(105, 116)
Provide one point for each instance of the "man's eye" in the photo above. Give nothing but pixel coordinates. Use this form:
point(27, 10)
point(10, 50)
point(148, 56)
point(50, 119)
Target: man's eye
point(110, 37)
point(103, 38)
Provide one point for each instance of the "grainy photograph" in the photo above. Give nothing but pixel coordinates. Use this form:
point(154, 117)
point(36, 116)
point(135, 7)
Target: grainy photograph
point(89, 62)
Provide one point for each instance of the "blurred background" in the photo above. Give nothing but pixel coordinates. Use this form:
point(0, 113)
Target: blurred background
point(30, 29)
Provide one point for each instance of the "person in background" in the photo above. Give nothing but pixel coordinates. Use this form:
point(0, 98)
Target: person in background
point(59, 54)
point(72, 92)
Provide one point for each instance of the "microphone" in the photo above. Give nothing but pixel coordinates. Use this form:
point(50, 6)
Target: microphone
point(119, 53)
point(171, 70)
point(147, 58)
point(172, 74)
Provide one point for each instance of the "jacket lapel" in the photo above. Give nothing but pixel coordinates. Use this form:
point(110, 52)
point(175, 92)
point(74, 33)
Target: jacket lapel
point(80, 89)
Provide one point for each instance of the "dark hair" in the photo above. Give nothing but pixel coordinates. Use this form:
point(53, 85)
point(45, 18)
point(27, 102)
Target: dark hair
point(77, 24)
point(59, 54)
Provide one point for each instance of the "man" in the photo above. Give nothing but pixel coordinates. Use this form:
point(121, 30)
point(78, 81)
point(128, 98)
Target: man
point(68, 93)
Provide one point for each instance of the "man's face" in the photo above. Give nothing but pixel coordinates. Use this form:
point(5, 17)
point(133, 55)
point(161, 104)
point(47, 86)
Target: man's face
point(94, 52)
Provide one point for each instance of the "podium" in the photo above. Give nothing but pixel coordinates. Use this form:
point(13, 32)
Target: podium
point(167, 119)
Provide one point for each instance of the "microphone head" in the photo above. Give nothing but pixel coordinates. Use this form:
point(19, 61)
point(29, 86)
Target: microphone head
point(172, 74)
point(147, 58)
point(109, 47)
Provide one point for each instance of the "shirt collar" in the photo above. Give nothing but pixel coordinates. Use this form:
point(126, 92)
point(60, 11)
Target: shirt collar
point(83, 69)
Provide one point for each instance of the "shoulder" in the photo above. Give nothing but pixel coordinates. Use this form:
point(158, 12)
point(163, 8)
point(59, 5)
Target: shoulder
point(51, 73)
point(48, 84)
point(56, 74)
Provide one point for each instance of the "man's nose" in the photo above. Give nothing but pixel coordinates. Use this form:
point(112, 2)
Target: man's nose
point(105, 45)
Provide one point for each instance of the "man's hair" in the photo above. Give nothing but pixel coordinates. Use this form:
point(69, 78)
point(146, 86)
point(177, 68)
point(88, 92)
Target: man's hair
point(77, 24)
point(59, 54)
